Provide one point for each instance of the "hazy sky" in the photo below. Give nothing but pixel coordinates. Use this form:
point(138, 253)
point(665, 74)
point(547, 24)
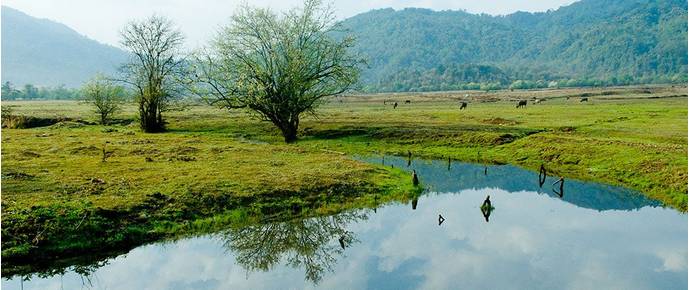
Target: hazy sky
point(199, 19)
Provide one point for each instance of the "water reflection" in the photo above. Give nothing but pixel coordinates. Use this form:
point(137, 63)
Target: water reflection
point(514, 179)
point(486, 208)
point(600, 237)
point(560, 191)
point(302, 243)
point(542, 174)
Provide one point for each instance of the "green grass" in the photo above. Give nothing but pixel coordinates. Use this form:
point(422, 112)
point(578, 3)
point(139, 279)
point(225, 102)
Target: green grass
point(214, 168)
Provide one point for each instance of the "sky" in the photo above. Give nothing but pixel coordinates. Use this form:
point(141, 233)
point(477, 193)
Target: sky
point(199, 19)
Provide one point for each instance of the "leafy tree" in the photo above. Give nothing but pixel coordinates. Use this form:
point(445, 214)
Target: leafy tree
point(155, 68)
point(30, 92)
point(104, 95)
point(278, 66)
point(8, 92)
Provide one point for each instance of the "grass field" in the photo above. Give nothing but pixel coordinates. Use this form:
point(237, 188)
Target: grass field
point(57, 189)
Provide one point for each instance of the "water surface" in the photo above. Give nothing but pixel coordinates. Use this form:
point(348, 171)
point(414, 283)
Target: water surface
point(594, 236)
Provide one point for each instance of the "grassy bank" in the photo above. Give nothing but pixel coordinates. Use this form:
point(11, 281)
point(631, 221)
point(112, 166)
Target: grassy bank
point(214, 168)
point(61, 199)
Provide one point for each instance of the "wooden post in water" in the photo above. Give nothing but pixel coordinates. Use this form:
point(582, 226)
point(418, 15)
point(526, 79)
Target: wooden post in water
point(541, 176)
point(341, 240)
point(560, 193)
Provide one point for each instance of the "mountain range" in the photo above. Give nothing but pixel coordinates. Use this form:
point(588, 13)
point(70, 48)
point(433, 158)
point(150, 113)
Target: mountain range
point(46, 53)
point(590, 42)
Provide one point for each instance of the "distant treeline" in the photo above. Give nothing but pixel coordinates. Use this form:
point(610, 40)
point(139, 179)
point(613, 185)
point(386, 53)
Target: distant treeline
point(486, 77)
point(31, 92)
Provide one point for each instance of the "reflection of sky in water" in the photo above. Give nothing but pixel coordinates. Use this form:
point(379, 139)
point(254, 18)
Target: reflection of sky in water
point(533, 241)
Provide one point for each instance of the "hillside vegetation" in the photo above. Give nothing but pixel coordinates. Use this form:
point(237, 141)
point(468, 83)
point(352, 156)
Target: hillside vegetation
point(590, 42)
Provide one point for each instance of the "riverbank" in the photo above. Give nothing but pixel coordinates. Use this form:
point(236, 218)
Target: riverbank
point(63, 198)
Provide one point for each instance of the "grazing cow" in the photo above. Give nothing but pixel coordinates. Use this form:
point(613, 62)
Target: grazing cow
point(462, 105)
point(584, 100)
point(407, 102)
point(394, 106)
point(521, 103)
point(538, 101)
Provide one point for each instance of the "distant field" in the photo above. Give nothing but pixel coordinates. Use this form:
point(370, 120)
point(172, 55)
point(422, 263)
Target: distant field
point(152, 184)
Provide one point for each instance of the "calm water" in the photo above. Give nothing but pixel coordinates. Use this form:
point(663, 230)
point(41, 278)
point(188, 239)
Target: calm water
point(593, 237)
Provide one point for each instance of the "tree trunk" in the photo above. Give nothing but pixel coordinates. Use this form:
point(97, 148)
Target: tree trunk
point(289, 132)
point(151, 120)
point(289, 129)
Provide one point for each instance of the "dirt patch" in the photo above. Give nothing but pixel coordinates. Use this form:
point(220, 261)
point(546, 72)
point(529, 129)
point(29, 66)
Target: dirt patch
point(504, 139)
point(500, 121)
point(16, 175)
point(566, 129)
point(183, 158)
point(618, 119)
point(30, 154)
point(218, 150)
point(89, 150)
point(67, 124)
point(144, 151)
point(26, 122)
point(336, 133)
point(183, 150)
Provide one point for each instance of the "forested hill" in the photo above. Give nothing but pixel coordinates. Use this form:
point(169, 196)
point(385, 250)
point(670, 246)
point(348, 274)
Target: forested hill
point(46, 53)
point(586, 43)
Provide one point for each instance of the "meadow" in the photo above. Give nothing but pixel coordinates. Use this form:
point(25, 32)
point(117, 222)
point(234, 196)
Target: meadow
point(75, 187)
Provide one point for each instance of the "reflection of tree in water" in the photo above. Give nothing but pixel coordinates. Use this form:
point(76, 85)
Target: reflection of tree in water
point(82, 267)
point(310, 243)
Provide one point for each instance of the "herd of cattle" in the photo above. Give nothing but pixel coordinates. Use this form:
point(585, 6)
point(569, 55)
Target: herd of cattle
point(463, 104)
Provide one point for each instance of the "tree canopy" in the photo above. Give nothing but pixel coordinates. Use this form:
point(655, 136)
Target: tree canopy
point(104, 95)
point(278, 65)
point(155, 69)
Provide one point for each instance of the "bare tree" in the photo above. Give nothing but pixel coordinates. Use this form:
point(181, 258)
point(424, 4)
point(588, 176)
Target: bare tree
point(155, 68)
point(278, 66)
point(104, 95)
